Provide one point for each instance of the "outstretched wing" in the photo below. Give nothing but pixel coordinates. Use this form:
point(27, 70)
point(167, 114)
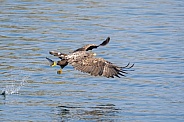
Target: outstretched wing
point(98, 67)
point(92, 46)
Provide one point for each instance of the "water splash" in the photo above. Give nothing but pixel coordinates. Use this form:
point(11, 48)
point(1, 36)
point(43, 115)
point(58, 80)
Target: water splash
point(14, 87)
point(16, 83)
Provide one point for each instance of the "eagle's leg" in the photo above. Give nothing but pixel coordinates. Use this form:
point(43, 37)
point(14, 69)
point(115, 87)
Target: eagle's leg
point(59, 71)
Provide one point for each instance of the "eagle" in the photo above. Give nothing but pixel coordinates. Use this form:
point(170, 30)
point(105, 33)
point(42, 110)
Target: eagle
point(85, 61)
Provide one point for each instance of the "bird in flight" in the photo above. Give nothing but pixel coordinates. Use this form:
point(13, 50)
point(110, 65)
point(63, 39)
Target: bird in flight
point(85, 61)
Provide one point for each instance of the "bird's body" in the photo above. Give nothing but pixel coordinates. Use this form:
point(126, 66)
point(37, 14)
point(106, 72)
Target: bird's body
point(85, 61)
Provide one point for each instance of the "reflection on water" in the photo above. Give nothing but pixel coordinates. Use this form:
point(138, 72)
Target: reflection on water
point(147, 33)
point(98, 113)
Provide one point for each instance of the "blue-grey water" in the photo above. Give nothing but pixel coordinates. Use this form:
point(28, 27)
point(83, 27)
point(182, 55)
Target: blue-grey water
point(149, 34)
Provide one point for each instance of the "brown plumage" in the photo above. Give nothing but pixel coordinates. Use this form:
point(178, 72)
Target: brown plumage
point(92, 46)
point(85, 61)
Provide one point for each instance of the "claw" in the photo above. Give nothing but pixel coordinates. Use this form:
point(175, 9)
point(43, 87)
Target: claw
point(59, 71)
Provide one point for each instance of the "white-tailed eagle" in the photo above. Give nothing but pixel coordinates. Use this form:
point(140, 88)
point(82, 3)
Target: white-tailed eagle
point(83, 60)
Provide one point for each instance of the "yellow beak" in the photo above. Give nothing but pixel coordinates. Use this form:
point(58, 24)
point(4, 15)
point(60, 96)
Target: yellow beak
point(52, 63)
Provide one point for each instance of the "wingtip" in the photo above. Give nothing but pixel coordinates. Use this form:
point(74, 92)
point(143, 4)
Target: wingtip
point(49, 59)
point(108, 38)
point(105, 42)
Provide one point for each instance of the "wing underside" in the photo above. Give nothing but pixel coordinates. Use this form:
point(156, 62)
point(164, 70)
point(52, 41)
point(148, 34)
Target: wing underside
point(98, 67)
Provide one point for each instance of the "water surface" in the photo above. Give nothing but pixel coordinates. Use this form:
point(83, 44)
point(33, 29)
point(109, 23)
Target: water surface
point(147, 33)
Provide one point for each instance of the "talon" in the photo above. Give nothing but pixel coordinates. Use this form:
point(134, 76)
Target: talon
point(59, 71)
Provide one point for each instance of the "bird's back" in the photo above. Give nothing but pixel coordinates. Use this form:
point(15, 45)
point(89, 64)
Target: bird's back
point(79, 55)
